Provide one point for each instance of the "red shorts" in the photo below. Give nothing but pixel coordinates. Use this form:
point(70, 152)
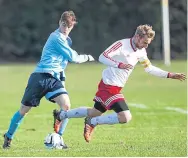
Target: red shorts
point(108, 95)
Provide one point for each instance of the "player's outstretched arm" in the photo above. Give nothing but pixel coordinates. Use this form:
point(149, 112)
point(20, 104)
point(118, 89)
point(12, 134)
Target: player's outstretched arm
point(90, 58)
point(153, 70)
point(76, 58)
point(177, 76)
point(71, 54)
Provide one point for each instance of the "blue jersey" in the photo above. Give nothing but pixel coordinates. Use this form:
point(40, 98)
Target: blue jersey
point(56, 54)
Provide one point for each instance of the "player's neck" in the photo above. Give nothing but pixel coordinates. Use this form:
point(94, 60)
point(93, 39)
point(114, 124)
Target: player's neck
point(64, 30)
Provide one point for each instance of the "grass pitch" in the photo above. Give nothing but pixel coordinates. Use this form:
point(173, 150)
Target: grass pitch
point(158, 106)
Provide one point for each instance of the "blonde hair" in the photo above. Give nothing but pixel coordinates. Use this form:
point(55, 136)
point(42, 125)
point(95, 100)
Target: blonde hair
point(143, 30)
point(68, 19)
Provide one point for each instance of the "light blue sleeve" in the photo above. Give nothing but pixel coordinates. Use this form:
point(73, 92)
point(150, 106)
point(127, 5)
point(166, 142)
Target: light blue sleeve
point(69, 53)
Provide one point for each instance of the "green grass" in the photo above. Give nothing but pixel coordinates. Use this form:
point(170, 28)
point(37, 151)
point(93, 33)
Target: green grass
point(154, 131)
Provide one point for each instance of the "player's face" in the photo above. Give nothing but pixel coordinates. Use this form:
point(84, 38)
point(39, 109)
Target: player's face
point(70, 25)
point(143, 42)
point(66, 30)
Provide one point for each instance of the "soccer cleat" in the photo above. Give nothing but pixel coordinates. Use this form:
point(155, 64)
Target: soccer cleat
point(88, 129)
point(7, 142)
point(64, 146)
point(57, 121)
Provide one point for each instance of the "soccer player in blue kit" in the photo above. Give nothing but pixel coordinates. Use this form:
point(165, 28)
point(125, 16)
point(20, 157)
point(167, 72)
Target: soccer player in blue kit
point(48, 77)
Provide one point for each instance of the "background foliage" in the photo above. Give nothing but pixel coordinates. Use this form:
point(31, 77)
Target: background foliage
point(26, 24)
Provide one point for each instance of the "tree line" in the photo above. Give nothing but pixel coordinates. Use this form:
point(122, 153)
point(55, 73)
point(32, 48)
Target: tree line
point(26, 24)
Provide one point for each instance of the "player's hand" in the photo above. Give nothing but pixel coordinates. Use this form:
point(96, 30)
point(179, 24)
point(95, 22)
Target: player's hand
point(177, 76)
point(125, 66)
point(90, 58)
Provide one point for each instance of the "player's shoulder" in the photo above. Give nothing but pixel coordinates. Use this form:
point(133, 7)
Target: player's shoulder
point(143, 50)
point(142, 53)
point(58, 35)
point(125, 41)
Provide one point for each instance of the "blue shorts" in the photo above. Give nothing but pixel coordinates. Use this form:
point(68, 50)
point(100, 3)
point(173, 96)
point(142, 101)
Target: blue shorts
point(40, 85)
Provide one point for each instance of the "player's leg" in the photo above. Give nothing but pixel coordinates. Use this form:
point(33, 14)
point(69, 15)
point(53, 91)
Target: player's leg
point(16, 120)
point(79, 113)
point(64, 123)
point(63, 101)
point(121, 115)
point(58, 94)
point(31, 98)
point(97, 110)
point(63, 115)
point(122, 110)
point(60, 125)
point(14, 124)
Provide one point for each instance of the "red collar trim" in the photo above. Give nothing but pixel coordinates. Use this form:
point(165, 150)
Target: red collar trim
point(131, 42)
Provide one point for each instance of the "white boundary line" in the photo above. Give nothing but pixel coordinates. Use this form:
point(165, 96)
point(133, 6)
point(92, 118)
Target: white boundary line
point(177, 110)
point(141, 106)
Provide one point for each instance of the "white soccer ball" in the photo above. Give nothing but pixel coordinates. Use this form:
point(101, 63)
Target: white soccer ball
point(54, 141)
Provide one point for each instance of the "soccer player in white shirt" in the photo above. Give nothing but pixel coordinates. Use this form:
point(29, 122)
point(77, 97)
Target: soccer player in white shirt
point(121, 58)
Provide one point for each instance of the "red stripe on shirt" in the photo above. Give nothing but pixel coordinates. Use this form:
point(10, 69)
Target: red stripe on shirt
point(112, 49)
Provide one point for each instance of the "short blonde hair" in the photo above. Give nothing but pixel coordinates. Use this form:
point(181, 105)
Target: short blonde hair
point(68, 18)
point(147, 30)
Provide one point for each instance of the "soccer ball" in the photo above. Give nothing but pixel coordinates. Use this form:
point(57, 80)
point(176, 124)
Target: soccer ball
point(54, 141)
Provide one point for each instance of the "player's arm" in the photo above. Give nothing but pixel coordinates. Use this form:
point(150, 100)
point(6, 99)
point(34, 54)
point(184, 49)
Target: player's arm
point(153, 70)
point(107, 57)
point(71, 54)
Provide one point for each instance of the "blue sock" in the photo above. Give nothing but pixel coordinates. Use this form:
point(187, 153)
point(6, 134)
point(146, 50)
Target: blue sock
point(63, 126)
point(14, 124)
point(74, 113)
point(105, 119)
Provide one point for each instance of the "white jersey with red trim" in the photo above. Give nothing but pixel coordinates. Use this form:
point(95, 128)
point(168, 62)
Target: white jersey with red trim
point(123, 51)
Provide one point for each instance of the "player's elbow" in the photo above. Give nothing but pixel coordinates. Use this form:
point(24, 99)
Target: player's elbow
point(101, 58)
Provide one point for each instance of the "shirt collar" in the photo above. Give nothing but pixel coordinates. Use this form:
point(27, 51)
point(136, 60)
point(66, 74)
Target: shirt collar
point(133, 46)
point(61, 34)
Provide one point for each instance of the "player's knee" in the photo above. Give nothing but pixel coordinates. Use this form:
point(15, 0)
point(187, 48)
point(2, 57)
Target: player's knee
point(24, 109)
point(92, 112)
point(63, 101)
point(22, 112)
point(124, 116)
point(66, 107)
